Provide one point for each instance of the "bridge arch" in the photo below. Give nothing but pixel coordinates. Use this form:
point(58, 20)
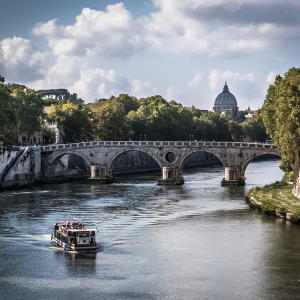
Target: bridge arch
point(246, 162)
point(73, 167)
point(189, 154)
point(114, 158)
point(58, 156)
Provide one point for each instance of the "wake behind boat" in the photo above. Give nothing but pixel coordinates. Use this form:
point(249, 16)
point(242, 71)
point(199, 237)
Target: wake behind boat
point(74, 236)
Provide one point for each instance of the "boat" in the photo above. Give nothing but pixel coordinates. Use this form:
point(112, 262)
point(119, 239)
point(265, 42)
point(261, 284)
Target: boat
point(74, 236)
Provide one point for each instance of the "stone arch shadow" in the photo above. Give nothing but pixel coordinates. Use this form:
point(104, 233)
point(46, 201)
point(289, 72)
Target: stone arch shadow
point(253, 158)
point(114, 159)
point(78, 160)
point(185, 159)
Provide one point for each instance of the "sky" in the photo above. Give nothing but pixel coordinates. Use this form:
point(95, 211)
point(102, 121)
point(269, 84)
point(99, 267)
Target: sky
point(182, 50)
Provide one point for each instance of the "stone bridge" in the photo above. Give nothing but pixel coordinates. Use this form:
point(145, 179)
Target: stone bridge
point(171, 156)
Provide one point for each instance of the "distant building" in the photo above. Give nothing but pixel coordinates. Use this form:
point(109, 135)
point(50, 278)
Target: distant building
point(226, 104)
point(251, 115)
point(193, 108)
point(59, 94)
point(53, 126)
point(35, 138)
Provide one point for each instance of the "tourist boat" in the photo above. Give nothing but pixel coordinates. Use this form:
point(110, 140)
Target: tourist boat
point(74, 236)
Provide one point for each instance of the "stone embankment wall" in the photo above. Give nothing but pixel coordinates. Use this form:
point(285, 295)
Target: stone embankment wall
point(19, 167)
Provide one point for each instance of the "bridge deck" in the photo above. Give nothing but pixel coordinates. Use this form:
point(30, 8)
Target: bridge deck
point(157, 143)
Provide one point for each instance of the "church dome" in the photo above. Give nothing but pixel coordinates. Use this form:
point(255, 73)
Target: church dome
point(225, 101)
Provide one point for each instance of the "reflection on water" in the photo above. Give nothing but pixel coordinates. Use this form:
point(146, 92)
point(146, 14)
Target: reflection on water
point(196, 241)
point(77, 264)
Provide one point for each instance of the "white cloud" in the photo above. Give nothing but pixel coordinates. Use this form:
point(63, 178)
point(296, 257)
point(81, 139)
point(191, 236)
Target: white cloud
point(271, 77)
point(112, 32)
point(19, 59)
point(172, 93)
point(84, 56)
point(115, 33)
point(221, 27)
point(99, 83)
point(217, 79)
point(142, 89)
point(196, 80)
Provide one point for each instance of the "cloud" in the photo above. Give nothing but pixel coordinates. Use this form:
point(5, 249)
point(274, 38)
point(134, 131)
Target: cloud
point(217, 78)
point(19, 59)
point(172, 93)
point(196, 80)
point(235, 11)
point(115, 33)
point(221, 27)
point(112, 32)
point(99, 83)
point(90, 83)
point(142, 89)
point(90, 55)
point(271, 77)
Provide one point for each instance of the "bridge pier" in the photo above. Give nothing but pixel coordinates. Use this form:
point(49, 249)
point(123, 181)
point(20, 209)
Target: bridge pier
point(99, 174)
point(170, 176)
point(233, 177)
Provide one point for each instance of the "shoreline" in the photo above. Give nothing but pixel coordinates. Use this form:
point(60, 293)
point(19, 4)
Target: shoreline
point(275, 199)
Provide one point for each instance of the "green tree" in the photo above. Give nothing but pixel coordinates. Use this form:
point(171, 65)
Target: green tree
point(74, 121)
point(217, 127)
point(7, 128)
point(253, 131)
point(110, 117)
point(158, 119)
point(281, 116)
point(27, 109)
point(236, 131)
point(21, 112)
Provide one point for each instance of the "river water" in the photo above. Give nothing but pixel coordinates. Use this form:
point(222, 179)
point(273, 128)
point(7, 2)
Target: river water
point(196, 241)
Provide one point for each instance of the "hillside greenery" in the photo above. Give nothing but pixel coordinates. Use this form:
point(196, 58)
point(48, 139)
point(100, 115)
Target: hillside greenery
point(118, 118)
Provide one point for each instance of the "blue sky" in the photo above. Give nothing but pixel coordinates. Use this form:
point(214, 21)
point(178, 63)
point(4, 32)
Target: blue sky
point(183, 50)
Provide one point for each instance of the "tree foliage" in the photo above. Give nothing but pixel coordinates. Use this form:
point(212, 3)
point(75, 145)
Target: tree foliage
point(281, 117)
point(21, 112)
point(73, 121)
point(118, 118)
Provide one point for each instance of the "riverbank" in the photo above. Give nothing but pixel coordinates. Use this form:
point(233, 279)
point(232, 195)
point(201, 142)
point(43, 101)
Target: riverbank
point(275, 199)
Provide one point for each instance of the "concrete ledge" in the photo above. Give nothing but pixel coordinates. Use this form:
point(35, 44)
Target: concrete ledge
point(239, 182)
point(101, 180)
point(171, 181)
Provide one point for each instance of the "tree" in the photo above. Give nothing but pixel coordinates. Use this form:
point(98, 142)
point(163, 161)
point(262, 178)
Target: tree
point(253, 131)
point(158, 119)
point(281, 116)
point(7, 131)
point(21, 112)
point(217, 127)
point(27, 109)
point(236, 131)
point(110, 117)
point(74, 121)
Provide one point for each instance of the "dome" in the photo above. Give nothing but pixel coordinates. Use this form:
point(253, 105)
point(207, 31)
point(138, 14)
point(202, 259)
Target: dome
point(225, 101)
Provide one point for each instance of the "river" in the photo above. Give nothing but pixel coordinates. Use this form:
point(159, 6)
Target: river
point(196, 241)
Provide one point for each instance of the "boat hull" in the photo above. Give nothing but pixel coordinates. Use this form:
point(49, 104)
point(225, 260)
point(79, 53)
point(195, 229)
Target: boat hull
point(66, 247)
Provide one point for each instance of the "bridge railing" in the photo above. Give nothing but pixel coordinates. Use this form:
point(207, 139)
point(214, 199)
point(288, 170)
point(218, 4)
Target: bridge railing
point(156, 143)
